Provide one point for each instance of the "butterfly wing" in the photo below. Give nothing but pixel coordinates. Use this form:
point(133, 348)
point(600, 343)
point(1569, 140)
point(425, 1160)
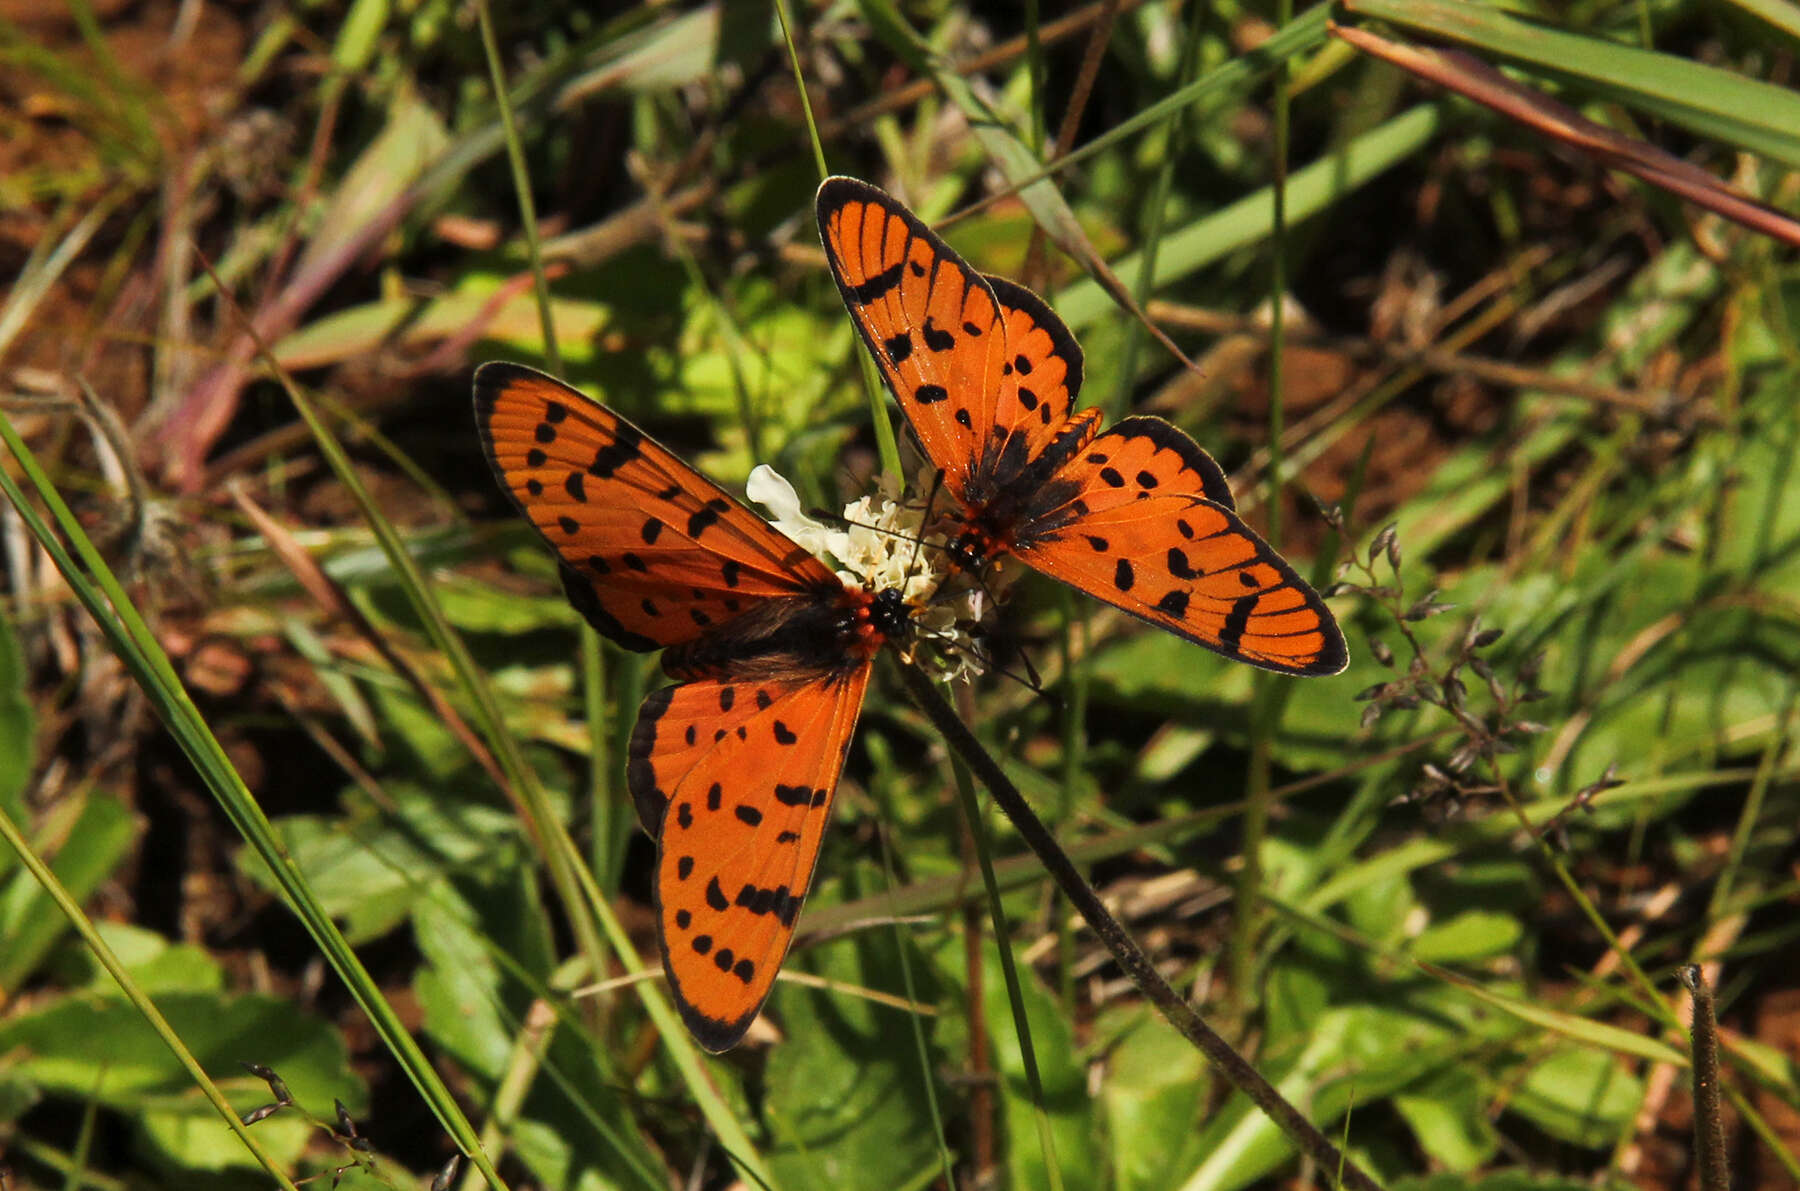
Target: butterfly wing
point(974, 362)
point(1142, 519)
point(735, 778)
point(653, 553)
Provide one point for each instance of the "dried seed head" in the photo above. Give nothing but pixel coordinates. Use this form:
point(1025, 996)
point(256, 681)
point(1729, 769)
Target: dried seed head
point(1383, 542)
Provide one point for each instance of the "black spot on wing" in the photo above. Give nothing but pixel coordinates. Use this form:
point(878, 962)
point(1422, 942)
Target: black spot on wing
point(877, 285)
point(931, 394)
point(898, 348)
point(778, 901)
point(799, 795)
point(1170, 438)
point(1123, 576)
point(1236, 621)
point(936, 338)
point(706, 516)
point(623, 449)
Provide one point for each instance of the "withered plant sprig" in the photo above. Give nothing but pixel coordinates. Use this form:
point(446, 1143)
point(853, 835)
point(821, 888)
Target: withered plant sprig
point(1488, 723)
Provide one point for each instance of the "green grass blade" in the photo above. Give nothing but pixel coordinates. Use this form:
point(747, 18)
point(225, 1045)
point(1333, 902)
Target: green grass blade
point(1309, 191)
point(1714, 103)
point(136, 646)
point(580, 894)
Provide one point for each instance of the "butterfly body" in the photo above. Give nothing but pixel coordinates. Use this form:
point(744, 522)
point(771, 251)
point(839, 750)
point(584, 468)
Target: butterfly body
point(830, 629)
point(1137, 515)
point(733, 768)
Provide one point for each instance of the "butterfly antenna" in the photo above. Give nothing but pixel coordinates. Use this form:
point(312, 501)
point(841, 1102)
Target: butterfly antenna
point(937, 484)
point(840, 519)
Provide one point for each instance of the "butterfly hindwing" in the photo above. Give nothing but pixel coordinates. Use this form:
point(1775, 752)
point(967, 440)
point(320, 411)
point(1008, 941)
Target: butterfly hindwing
point(653, 553)
point(1148, 527)
point(735, 776)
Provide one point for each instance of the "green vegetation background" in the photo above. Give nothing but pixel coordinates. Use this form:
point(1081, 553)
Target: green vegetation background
point(1439, 900)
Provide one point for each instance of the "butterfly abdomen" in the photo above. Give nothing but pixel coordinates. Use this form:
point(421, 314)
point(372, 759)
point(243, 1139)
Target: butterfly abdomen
point(1009, 489)
point(798, 638)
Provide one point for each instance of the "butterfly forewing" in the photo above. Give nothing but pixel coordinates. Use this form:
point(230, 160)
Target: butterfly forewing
point(736, 777)
point(653, 553)
point(930, 321)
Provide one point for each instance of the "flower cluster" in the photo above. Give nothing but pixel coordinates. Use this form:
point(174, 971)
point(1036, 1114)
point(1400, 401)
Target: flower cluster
point(883, 545)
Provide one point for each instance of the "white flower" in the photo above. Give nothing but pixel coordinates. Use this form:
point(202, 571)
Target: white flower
point(883, 546)
point(770, 489)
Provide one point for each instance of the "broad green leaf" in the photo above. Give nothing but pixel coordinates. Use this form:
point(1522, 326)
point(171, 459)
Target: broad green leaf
point(1074, 1116)
point(1448, 1114)
point(1154, 1092)
point(99, 1048)
point(846, 1105)
point(86, 836)
point(1584, 1097)
point(157, 965)
point(1467, 937)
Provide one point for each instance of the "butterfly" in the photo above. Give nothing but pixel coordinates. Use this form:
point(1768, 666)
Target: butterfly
point(1138, 516)
point(732, 769)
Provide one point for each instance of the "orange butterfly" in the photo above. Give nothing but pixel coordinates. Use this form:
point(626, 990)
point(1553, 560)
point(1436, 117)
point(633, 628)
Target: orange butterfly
point(732, 768)
point(1139, 516)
